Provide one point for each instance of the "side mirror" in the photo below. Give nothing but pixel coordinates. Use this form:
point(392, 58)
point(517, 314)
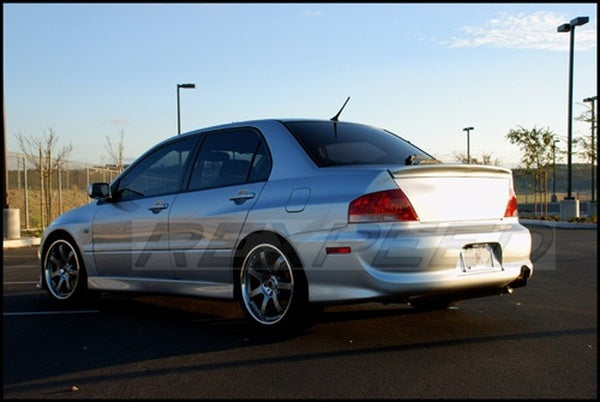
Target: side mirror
point(99, 191)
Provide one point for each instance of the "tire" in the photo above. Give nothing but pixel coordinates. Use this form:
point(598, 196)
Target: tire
point(64, 274)
point(272, 285)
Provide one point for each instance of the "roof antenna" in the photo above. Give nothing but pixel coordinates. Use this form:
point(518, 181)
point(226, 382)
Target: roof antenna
point(335, 118)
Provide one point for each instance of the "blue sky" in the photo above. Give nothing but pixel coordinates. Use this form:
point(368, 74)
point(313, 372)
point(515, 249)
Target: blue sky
point(424, 71)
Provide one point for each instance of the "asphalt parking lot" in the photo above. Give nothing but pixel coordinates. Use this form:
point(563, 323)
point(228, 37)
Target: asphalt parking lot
point(539, 342)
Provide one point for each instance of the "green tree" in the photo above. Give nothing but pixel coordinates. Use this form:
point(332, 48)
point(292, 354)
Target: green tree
point(537, 154)
point(583, 144)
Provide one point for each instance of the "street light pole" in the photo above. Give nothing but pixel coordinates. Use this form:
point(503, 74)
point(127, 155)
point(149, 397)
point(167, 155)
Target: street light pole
point(570, 27)
point(553, 199)
point(468, 130)
point(591, 100)
point(178, 112)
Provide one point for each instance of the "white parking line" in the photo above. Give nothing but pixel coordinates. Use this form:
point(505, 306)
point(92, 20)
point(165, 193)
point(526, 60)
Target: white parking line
point(51, 312)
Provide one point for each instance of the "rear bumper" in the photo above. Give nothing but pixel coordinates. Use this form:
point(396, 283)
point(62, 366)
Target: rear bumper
point(412, 259)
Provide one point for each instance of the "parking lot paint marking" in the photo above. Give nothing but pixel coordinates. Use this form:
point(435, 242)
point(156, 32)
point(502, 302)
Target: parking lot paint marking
point(50, 312)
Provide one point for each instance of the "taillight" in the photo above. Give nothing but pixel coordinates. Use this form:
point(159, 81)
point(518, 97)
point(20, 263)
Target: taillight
point(512, 209)
point(382, 206)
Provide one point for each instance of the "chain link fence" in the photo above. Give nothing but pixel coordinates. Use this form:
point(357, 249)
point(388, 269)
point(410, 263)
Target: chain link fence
point(43, 196)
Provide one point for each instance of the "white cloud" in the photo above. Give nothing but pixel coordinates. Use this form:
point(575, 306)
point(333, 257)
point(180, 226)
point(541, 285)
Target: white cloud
point(526, 31)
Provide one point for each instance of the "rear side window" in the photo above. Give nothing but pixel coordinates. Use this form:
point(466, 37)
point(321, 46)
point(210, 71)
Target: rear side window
point(337, 144)
point(229, 158)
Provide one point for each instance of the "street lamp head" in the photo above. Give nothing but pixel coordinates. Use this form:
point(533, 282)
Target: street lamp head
point(579, 21)
point(467, 128)
point(593, 98)
point(574, 22)
point(186, 85)
point(564, 28)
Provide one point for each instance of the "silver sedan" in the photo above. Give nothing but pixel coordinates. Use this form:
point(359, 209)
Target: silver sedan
point(288, 214)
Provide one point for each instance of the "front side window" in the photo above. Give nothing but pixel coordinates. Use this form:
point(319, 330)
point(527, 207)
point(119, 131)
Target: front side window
point(230, 157)
point(160, 172)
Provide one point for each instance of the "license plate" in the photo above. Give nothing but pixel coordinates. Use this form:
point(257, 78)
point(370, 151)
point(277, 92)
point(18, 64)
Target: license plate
point(478, 258)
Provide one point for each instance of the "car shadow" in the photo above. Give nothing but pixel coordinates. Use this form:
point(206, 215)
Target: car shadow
point(116, 329)
point(110, 343)
point(121, 331)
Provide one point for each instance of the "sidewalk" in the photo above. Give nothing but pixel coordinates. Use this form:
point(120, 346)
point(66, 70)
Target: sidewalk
point(23, 242)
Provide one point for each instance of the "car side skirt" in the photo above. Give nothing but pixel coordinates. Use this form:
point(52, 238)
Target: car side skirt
point(162, 286)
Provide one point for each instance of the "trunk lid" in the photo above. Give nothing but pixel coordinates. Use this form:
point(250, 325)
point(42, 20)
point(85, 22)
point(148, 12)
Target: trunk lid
point(455, 192)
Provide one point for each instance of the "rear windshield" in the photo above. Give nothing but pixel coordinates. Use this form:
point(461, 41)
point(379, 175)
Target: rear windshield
point(331, 143)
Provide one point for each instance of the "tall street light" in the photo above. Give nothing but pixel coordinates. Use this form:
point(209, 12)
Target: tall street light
point(591, 100)
point(468, 130)
point(570, 27)
point(178, 112)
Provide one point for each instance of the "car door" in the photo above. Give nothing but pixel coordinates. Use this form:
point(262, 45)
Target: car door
point(130, 231)
point(205, 221)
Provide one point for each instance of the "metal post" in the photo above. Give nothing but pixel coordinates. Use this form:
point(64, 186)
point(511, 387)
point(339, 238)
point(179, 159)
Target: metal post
point(468, 130)
point(59, 167)
point(18, 174)
point(570, 118)
point(570, 27)
point(545, 193)
point(468, 148)
point(592, 150)
point(42, 226)
point(178, 112)
point(592, 153)
point(554, 171)
point(26, 190)
point(178, 109)
point(4, 166)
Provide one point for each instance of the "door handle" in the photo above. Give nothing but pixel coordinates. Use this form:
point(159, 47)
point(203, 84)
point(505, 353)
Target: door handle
point(241, 197)
point(158, 206)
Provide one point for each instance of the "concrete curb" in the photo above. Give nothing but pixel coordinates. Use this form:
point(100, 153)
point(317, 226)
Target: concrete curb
point(25, 242)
